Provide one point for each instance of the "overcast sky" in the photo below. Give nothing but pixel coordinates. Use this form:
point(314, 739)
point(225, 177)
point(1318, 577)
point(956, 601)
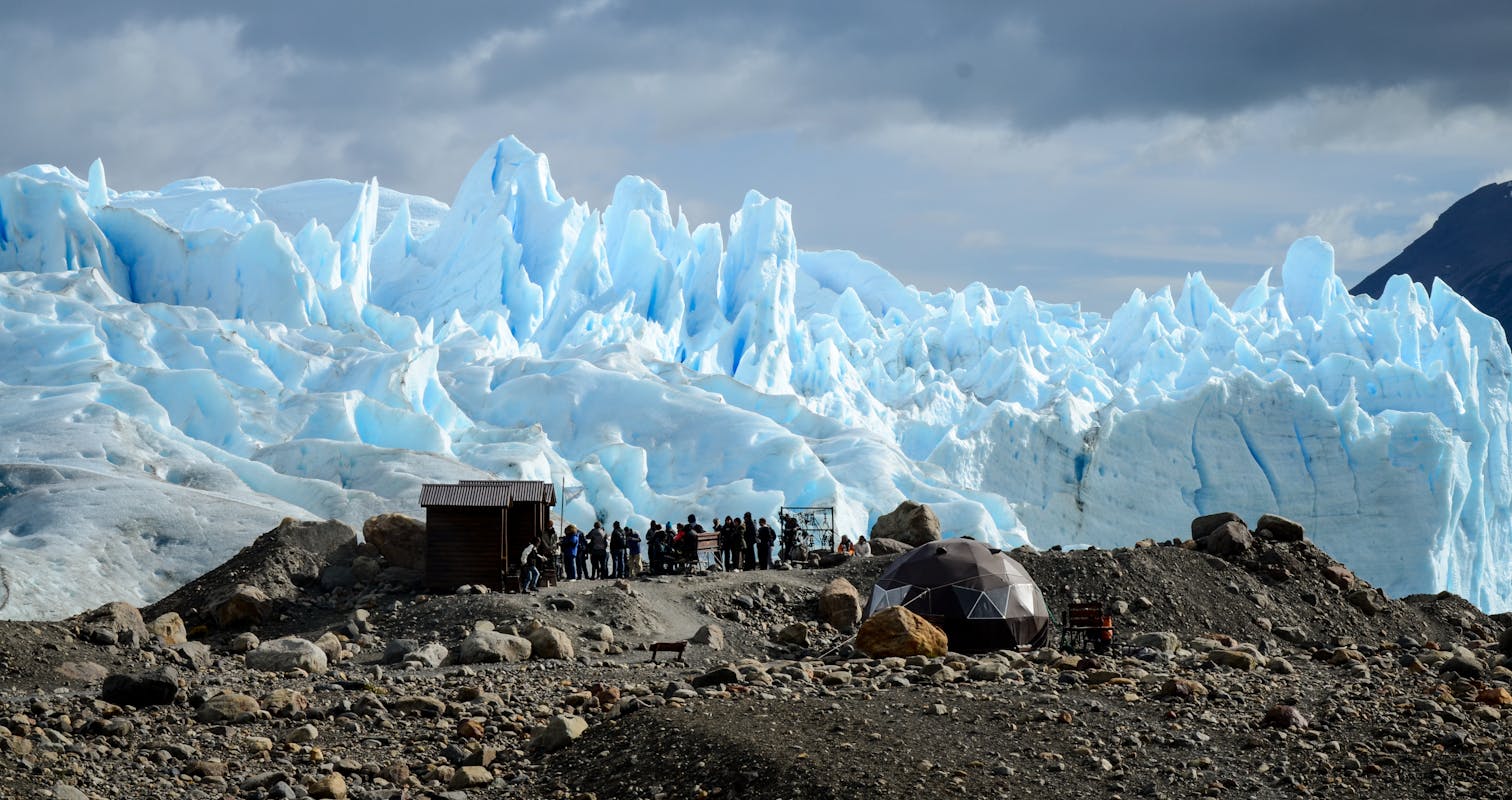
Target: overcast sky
point(1081, 149)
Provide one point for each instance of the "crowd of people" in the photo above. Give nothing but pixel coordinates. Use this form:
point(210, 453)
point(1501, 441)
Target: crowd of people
point(734, 543)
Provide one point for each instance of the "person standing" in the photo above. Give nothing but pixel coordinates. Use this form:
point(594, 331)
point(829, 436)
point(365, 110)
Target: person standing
point(729, 545)
point(748, 540)
point(617, 551)
point(765, 538)
point(551, 568)
point(633, 547)
point(570, 544)
point(530, 569)
point(598, 552)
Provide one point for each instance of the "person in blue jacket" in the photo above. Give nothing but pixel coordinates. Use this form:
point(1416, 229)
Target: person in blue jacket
point(570, 542)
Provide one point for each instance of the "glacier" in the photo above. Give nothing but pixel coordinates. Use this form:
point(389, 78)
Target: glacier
point(181, 368)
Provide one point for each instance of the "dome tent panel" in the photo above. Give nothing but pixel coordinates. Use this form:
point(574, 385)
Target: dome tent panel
point(980, 596)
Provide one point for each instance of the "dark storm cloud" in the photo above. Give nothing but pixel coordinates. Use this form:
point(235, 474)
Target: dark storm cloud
point(1032, 66)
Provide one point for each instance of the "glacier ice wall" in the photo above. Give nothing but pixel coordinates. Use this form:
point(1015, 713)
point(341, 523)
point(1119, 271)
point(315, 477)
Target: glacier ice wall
point(180, 368)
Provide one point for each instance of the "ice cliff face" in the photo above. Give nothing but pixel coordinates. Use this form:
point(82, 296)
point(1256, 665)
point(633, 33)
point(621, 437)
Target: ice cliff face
point(181, 368)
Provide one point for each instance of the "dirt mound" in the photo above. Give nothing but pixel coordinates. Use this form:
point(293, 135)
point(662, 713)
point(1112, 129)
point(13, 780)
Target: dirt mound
point(1275, 590)
point(281, 562)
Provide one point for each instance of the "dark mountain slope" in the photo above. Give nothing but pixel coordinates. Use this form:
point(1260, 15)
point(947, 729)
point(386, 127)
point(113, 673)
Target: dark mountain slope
point(1469, 248)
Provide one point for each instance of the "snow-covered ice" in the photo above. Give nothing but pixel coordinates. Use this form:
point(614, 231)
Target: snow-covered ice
point(181, 368)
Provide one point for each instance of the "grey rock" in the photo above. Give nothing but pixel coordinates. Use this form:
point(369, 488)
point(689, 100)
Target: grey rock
point(552, 643)
point(288, 654)
point(558, 732)
point(1281, 529)
point(1159, 641)
point(488, 647)
point(711, 636)
point(1206, 524)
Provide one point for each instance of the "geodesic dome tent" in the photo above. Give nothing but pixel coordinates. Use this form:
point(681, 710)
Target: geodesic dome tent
point(978, 595)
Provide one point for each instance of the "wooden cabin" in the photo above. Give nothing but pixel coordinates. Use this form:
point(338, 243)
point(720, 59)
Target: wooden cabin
point(476, 530)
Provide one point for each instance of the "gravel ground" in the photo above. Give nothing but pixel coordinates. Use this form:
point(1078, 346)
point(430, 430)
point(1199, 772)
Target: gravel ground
point(1376, 697)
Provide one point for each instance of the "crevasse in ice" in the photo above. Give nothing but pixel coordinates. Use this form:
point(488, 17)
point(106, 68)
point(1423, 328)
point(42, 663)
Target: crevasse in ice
point(181, 368)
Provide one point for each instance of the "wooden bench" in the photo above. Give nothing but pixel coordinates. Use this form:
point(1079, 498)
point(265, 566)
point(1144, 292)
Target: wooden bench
point(668, 647)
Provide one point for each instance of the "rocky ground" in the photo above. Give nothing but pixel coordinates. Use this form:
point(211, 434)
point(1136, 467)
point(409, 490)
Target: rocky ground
point(311, 666)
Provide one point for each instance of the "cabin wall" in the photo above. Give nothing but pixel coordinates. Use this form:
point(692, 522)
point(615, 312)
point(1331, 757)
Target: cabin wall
point(463, 546)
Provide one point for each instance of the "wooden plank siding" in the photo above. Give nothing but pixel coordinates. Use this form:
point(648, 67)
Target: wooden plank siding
point(463, 545)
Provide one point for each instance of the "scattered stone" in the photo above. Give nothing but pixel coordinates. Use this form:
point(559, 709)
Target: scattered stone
point(243, 642)
point(470, 729)
point(1463, 663)
point(1234, 659)
point(710, 636)
point(719, 676)
point(82, 671)
point(896, 631)
point(1283, 716)
point(1159, 641)
point(151, 688)
point(286, 655)
point(332, 786)
point(226, 707)
point(1367, 600)
point(1339, 575)
point(558, 732)
point(796, 634)
point(304, 734)
point(169, 629)
point(470, 777)
point(330, 645)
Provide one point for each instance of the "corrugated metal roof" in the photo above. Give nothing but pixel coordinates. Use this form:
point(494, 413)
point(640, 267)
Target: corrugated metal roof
point(488, 494)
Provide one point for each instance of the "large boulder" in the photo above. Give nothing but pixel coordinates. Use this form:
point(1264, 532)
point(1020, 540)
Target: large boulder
point(169, 629)
point(840, 604)
point(288, 654)
point(549, 642)
point(1228, 539)
point(489, 647)
point(910, 523)
point(1207, 523)
point(113, 623)
point(400, 539)
point(240, 606)
point(156, 687)
point(896, 631)
point(1279, 528)
point(889, 547)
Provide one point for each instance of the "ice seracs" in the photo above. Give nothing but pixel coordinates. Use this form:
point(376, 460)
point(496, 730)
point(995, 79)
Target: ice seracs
point(236, 355)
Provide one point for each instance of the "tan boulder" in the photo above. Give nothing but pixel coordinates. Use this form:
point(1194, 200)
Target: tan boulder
point(840, 604)
point(240, 606)
point(169, 628)
point(400, 539)
point(911, 523)
point(113, 623)
point(896, 631)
